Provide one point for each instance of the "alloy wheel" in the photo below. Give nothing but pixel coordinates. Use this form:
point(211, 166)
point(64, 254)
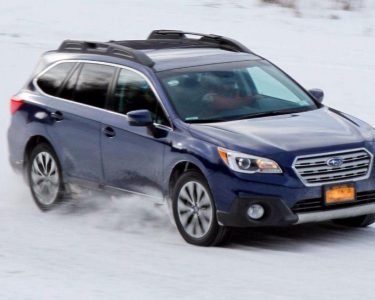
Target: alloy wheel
point(195, 209)
point(45, 179)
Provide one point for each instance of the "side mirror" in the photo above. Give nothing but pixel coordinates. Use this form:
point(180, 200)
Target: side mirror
point(317, 94)
point(140, 117)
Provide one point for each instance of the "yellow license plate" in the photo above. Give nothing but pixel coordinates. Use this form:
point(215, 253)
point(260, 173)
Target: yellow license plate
point(340, 194)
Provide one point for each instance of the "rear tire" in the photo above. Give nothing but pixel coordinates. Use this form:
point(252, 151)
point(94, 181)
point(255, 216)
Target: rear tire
point(194, 211)
point(45, 177)
point(361, 221)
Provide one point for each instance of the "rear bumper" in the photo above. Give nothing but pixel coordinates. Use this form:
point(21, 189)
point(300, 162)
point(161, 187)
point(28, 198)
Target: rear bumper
point(17, 166)
point(279, 214)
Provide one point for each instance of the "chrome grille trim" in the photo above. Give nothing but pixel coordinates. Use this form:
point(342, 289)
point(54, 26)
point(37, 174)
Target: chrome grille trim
point(313, 170)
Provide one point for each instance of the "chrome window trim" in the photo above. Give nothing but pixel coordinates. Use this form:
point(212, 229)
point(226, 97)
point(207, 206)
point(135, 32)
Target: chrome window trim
point(335, 153)
point(98, 108)
point(161, 126)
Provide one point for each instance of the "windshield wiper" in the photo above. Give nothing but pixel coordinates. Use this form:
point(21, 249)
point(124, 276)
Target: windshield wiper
point(273, 113)
point(196, 121)
point(251, 116)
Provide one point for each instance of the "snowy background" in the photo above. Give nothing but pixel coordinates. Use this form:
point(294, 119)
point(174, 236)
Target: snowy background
point(126, 248)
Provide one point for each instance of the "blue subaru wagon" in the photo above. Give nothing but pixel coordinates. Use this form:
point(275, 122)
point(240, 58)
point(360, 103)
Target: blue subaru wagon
point(198, 121)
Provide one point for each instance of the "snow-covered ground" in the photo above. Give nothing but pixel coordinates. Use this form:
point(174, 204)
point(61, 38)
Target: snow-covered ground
point(126, 248)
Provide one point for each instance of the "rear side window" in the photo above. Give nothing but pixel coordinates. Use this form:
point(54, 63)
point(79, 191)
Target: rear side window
point(69, 87)
point(51, 81)
point(92, 85)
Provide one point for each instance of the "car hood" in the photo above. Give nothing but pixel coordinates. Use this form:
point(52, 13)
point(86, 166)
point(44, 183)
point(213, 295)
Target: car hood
point(322, 129)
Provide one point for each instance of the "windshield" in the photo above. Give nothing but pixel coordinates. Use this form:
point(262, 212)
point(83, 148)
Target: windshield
point(232, 91)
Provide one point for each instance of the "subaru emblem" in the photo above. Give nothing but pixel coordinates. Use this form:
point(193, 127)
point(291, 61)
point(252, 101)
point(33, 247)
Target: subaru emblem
point(335, 162)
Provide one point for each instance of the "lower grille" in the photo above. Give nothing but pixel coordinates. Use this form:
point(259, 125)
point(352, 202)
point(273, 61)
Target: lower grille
point(312, 205)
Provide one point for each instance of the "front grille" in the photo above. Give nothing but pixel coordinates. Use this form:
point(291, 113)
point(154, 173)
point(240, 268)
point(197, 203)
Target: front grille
point(313, 205)
point(314, 169)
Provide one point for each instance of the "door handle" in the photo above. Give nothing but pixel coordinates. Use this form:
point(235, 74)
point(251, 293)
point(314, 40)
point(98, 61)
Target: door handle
point(109, 132)
point(57, 116)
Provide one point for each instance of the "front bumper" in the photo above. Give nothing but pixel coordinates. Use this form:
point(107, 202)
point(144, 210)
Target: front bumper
point(279, 214)
point(286, 199)
point(340, 213)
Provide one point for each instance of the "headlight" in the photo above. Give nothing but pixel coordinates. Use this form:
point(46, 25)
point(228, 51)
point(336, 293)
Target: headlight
point(245, 163)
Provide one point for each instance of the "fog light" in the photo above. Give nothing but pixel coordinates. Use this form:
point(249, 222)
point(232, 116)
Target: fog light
point(255, 211)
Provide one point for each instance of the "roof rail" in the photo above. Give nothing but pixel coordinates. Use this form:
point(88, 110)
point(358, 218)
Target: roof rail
point(217, 40)
point(109, 48)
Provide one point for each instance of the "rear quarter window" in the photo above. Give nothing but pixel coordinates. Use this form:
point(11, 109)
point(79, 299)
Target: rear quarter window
point(51, 81)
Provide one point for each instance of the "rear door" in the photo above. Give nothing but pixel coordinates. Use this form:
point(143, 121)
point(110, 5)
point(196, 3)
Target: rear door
point(76, 114)
point(133, 156)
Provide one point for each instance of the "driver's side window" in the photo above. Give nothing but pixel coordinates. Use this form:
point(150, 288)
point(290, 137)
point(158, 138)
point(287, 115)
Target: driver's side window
point(132, 92)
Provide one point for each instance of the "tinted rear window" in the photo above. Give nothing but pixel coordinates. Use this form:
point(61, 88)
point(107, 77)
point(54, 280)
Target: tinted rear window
point(92, 85)
point(51, 81)
point(68, 90)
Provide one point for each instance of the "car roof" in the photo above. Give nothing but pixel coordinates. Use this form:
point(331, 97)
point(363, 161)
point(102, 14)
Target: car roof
point(176, 58)
point(162, 59)
point(164, 50)
point(183, 52)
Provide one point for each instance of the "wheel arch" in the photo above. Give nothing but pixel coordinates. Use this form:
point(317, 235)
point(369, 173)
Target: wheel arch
point(178, 169)
point(31, 144)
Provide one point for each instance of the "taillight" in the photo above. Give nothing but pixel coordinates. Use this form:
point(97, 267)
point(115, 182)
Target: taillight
point(15, 104)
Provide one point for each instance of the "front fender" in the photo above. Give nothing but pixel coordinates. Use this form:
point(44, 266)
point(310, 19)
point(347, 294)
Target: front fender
point(189, 149)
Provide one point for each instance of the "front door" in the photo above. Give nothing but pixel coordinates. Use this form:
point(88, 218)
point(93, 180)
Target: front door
point(133, 156)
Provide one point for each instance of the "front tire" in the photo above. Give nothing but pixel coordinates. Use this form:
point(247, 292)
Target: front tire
point(361, 221)
point(194, 211)
point(45, 177)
